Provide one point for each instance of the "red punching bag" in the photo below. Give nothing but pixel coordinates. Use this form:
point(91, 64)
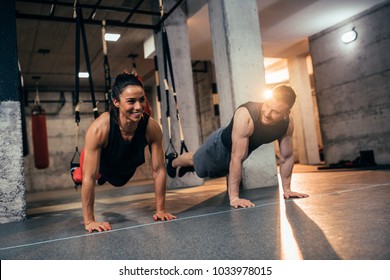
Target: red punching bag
point(39, 137)
point(148, 110)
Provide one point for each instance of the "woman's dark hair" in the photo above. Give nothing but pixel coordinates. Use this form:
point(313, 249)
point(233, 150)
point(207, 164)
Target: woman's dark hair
point(121, 82)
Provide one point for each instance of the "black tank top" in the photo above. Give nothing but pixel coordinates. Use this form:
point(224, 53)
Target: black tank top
point(262, 134)
point(120, 158)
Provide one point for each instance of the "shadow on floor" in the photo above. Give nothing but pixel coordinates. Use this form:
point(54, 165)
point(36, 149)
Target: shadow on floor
point(308, 235)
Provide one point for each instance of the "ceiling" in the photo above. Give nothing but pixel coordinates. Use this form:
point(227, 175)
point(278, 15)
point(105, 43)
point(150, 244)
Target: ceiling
point(46, 34)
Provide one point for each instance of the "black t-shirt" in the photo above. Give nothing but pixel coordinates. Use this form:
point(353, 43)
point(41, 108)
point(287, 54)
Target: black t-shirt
point(120, 159)
point(262, 134)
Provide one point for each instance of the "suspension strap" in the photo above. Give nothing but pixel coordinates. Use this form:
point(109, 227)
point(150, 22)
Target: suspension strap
point(77, 58)
point(166, 86)
point(167, 113)
point(168, 65)
point(107, 74)
point(80, 29)
point(77, 130)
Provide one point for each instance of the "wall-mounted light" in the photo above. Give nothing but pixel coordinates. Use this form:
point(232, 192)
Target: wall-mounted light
point(113, 37)
point(349, 36)
point(83, 75)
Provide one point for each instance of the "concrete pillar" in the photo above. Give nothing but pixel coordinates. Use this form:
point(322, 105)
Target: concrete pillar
point(177, 30)
point(238, 57)
point(12, 191)
point(304, 121)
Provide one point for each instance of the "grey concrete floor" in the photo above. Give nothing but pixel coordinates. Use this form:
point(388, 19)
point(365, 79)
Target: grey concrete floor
point(347, 216)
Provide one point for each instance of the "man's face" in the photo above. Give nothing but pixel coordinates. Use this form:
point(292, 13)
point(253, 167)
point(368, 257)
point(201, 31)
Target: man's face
point(273, 111)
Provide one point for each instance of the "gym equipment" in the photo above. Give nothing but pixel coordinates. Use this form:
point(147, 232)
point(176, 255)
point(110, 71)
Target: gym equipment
point(134, 72)
point(107, 74)
point(366, 160)
point(39, 133)
point(75, 161)
point(169, 156)
point(80, 30)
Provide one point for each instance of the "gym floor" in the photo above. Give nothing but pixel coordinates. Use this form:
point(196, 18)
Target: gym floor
point(347, 216)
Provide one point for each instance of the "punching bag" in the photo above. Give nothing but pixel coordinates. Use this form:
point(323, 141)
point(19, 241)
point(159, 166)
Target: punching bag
point(148, 110)
point(39, 137)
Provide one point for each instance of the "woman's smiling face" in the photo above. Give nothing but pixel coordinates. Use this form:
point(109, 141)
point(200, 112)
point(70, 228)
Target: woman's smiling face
point(131, 103)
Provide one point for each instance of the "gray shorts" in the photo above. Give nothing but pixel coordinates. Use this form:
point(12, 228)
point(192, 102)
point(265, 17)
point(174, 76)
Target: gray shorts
point(212, 159)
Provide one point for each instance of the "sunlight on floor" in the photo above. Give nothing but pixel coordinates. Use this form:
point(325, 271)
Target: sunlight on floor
point(289, 249)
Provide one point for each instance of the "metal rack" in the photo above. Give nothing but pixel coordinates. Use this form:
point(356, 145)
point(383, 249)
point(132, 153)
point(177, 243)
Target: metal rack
point(94, 8)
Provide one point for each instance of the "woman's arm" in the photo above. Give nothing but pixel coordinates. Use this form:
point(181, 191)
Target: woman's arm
point(154, 137)
point(96, 137)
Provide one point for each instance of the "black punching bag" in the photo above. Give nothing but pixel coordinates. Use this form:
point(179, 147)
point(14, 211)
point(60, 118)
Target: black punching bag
point(39, 137)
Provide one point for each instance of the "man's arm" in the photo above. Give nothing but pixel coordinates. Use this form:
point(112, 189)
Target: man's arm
point(287, 162)
point(154, 137)
point(242, 128)
point(94, 141)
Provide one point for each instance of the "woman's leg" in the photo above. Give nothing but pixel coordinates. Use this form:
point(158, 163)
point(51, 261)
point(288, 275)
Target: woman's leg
point(78, 172)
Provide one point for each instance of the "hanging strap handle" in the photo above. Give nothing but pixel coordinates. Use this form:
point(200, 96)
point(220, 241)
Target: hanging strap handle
point(77, 121)
point(77, 130)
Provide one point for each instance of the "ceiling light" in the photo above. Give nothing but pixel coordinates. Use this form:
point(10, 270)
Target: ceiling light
point(83, 75)
point(349, 36)
point(111, 37)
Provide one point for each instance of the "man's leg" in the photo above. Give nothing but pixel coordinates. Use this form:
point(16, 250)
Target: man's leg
point(185, 159)
point(171, 171)
point(185, 162)
point(210, 160)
